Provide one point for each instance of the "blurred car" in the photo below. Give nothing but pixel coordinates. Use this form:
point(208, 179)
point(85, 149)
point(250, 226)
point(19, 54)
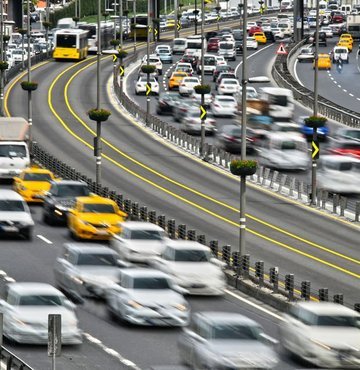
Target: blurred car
point(260, 37)
point(60, 199)
point(191, 122)
point(197, 98)
point(286, 127)
point(175, 80)
point(228, 86)
point(226, 340)
point(348, 133)
point(33, 182)
point(154, 60)
point(223, 106)
point(140, 85)
point(192, 59)
point(166, 102)
point(164, 54)
point(322, 132)
point(238, 47)
point(182, 106)
point(87, 269)
point(26, 307)
point(184, 67)
point(331, 168)
point(15, 215)
point(251, 43)
point(322, 39)
point(221, 69)
point(323, 333)
point(229, 139)
point(187, 85)
point(306, 55)
point(251, 93)
point(278, 33)
point(345, 147)
point(270, 37)
point(284, 151)
point(213, 44)
point(94, 217)
point(347, 37)
point(138, 241)
point(148, 297)
point(192, 266)
point(220, 60)
point(324, 62)
point(223, 75)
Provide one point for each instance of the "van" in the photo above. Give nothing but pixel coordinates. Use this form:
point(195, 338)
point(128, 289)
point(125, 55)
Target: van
point(65, 23)
point(227, 50)
point(281, 102)
point(209, 64)
point(193, 45)
point(284, 151)
point(179, 46)
point(346, 9)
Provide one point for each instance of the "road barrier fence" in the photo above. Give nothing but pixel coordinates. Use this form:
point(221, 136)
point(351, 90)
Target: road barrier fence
point(11, 362)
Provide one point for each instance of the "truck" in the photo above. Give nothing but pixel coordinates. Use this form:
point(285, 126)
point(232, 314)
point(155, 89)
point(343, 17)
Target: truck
point(14, 150)
point(353, 25)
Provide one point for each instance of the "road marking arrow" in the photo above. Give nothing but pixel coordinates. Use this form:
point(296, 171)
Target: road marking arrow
point(114, 58)
point(315, 150)
point(148, 89)
point(202, 112)
point(121, 71)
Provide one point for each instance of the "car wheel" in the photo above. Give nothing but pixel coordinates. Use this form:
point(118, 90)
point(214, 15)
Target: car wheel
point(136, 93)
point(47, 219)
point(160, 72)
point(28, 233)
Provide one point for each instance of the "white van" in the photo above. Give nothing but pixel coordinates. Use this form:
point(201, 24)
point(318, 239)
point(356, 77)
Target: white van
point(179, 46)
point(281, 102)
point(346, 9)
point(209, 64)
point(284, 151)
point(227, 50)
point(193, 45)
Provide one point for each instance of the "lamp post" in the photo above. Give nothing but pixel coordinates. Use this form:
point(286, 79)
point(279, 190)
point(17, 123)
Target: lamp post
point(148, 64)
point(115, 35)
point(98, 123)
point(2, 57)
point(203, 116)
point(196, 14)
point(121, 23)
point(22, 32)
point(176, 11)
point(134, 32)
point(240, 6)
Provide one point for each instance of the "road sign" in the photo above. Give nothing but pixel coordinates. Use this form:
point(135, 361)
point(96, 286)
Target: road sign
point(114, 58)
point(315, 149)
point(218, 18)
point(54, 335)
point(121, 71)
point(156, 31)
point(148, 89)
point(203, 112)
point(178, 25)
point(281, 50)
point(150, 29)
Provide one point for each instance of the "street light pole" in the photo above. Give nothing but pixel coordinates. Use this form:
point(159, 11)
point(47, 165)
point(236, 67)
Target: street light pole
point(242, 220)
point(2, 57)
point(195, 20)
point(148, 63)
point(29, 73)
point(115, 35)
point(315, 110)
point(202, 140)
point(176, 10)
point(98, 123)
point(121, 24)
point(134, 11)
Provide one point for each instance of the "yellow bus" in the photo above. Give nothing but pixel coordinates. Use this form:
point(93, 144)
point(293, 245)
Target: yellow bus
point(140, 27)
point(70, 44)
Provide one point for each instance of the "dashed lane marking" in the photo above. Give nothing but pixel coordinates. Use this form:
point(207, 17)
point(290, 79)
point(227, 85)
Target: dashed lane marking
point(47, 241)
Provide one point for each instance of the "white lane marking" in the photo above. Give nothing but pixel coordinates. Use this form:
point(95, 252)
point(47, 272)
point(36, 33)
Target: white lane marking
point(250, 56)
point(44, 239)
point(110, 351)
point(344, 90)
point(296, 75)
point(339, 86)
point(332, 78)
point(351, 94)
point(252, 304)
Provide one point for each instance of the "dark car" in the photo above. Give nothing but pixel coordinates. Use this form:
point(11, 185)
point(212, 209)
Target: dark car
point(166, 101)
point(213, 44)
point(238, 35)
point(210, 34)
point(60, 198)
point(229, 139)
point(189, 59)
point(270, 37)
point(239, 47)
point(322, 39)
point(221, 69)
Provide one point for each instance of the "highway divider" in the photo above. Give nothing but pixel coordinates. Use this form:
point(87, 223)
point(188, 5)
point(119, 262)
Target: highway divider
point(11, 362)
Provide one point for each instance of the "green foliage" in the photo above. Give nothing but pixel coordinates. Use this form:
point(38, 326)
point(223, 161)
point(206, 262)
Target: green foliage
point(202, 89)
point(4, 66)
point(240, 167)
point(99, 115)
point(315, 121)
point(29, 85)
point(115, 42)
point(148, 69)
point(122, 54)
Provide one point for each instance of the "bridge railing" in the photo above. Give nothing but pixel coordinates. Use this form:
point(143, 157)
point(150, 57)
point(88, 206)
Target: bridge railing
point(9, 361)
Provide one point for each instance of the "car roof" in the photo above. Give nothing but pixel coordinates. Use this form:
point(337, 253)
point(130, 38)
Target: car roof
point(10, 195)
point(36, 170)
point(138, 225)
point(327, 308)
point(144, 272)
point(186, 244)
point(218, 317)
point(33, 288)
point(89, 248)
point(68, 182)
point(94, 199)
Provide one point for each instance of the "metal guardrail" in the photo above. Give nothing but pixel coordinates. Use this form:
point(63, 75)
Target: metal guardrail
point(12, 362)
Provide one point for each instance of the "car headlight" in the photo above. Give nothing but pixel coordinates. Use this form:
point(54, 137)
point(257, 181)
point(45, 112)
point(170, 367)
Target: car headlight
point(85, 223)
point(77, 280)
point(181, 307)
point(320, 344)
point(134, 304)
point(61, 208)
point(22, 187)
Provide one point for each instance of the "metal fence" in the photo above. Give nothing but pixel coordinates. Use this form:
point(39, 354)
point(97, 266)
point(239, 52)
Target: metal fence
point(11, 362)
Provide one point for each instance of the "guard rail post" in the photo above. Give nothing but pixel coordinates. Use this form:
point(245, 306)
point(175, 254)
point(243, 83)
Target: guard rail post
point(161, 221)
point(245, 265)
point(201, 239)
point(305, 290)
point(259, 272)
point(290, 285)
point(339, 298)
point(274, 278)
point(181, 231)
point(214, 246)
point(191, 235)
point(357, 211)
point(235, 261)
point(324, 294)
point(143, 213)
point(152, 217)
point(171, 228)
point(226, 254)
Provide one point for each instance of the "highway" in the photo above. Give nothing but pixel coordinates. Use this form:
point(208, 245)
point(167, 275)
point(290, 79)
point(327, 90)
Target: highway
point(141, 166)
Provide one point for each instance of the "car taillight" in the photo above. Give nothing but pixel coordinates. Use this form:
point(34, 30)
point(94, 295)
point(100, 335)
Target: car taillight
point(230, 138)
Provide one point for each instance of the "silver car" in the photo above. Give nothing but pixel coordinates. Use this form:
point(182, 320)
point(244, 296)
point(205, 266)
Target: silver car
point(26, 307)
point(148, 297)
point(87, 269)
point(224, 340)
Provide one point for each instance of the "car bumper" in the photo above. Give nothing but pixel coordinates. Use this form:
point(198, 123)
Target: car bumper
point(9, 173)
point(150, 317)
point(223, 111)
point(201, 288)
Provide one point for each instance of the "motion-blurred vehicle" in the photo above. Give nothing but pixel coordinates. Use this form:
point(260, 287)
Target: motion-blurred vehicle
point(60, 198)
point(229, 139)
point(223, 106)
point(284, 151)
point(175, 80)
point(33, 182)
point(251, 93)
point(95, 217)
point(251, 43)
point(87, 270)
point(260, 37)
point(345, 147)
point(324, 62)
point(138, 241)
point(187, 85)
point(197, 99)
point(306, 55)
point(26, 307)
point(332, 168)
point(290, 126)
point(166, 102)
point(322, 132)
point(347, 133)
point(192, 266)
point(154, 60)
point(323, 333)
point(191, 122)
point(221, 69)
point(229, 86)
point(148, 297)
point(226, 340)
point(223, 75)
point(140, 85)
point(280, 102)
point(182, 106)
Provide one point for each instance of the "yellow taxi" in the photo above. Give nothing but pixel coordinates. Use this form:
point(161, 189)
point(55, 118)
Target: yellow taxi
point(175, 79)
point(260, 37)
point(346, 36)
point(347, 43)
point(95, 217)
point(324, 61)
point(33, 182)
point(170, 23)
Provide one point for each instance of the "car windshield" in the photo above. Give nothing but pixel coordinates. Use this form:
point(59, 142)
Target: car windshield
point(96, 259)
point(7, 205)
point(150, 283)
point(70, 190)
point(340, 51)
point(233, 331)
point(37, 176)
point(225, 100)
point(337, 320)
point(12, 151)
point(191, 80)
point(230, 82)
point(192, 255)
point(98, 208)
point(306, 51)
point(226, 46)
point(163, 51)
point(146, 235)
point(41, 300)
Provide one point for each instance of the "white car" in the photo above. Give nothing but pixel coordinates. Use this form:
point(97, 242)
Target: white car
point(197, 98)
point(138, 241)
point(223, 105)
point(323, 333)
point(278, 33)
point(148, 297)
point(15, 215)
point(251, 92)
point(328, 31)
point(18, 55)
point(140, 85)
point(250, 24)
point(184, 67)
point(251, 43)
point(340, 52)
point(192, 266)
point(26, 308)
point(154, 60)
point(229, 86)
point(191, 123)
point(220, 60)
point(187, 85)
point(306, 55)
point(167, 47)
